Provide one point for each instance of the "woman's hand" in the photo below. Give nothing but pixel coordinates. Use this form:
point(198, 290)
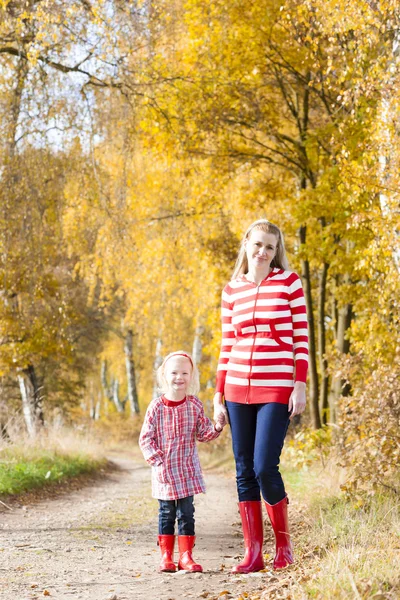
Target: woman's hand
point(297, 400)
point(220, 412)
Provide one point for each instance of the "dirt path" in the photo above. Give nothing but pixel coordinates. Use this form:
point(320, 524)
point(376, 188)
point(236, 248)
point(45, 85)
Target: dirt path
point(100, 543)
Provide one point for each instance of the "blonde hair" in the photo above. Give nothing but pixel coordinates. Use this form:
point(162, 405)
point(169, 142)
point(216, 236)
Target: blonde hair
point(194, 384)
point(279, 261)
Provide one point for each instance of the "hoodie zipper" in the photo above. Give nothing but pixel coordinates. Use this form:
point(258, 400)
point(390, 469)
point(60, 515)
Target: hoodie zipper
point(252, 348)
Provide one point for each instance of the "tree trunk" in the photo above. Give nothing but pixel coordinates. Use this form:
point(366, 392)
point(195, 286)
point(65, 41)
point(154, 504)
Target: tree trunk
point(314, 391)
point(31, 400)
point(119, 404)
point(15, 107)
point(157, 363)
point(111, 391)
point(324, 388)
point(37, 396)
point(27, 405)
point(130, 373)
point(197, 345)
point(339, 386)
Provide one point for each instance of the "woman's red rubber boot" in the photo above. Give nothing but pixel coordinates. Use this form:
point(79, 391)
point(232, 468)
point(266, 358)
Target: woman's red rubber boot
point(186, 562)
point(278, 515)
point(166, 543)
point(252, 525)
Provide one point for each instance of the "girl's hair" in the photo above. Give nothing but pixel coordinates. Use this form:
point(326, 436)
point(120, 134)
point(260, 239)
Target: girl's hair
point(280, 259)
point(194, 384)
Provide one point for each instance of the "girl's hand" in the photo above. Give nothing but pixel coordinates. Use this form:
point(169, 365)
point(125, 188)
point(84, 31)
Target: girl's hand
point(297, 400)
point(220, 412)
point(220, 422)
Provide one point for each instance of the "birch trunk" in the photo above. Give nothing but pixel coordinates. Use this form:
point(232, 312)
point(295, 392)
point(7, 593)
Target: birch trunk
point(27, 405)
point(157, 363)
point(130, 373)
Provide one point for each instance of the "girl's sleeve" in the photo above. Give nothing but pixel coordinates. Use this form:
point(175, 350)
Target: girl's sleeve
point(297, 305)
point(205, 429)
point(228, 339)
point(147, 440)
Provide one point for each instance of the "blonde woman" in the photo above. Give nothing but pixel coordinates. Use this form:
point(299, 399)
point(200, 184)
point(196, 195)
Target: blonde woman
point(261, 382)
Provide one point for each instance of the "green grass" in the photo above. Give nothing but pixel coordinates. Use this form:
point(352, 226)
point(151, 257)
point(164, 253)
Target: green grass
point(22, 470)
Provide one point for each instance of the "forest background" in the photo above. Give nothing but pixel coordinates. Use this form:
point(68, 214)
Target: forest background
point(138, 141)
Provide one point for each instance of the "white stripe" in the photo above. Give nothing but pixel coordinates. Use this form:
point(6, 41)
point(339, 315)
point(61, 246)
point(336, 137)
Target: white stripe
point(271, 383)
point(297, 302)
point(300, 318)
point(260, 382)
point(236, 319)
point(227, 327)
point(282, 326)
point(258, 341)
point(298, 345)
point(297, 332)
point(252, 292)
point(261, 369)
point(301, 356)
point(272, 314)
point(269, 301)
point(296, 285)
point(261, 355)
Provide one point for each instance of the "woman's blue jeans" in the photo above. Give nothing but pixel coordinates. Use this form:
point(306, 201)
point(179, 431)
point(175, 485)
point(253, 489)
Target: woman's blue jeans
point(170, 510)
point(258, 433)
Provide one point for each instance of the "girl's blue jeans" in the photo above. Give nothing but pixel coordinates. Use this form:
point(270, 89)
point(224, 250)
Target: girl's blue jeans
point(258, 433)
point(170, 510)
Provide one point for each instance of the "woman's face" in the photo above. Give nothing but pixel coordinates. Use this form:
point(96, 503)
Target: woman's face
point(260, 249)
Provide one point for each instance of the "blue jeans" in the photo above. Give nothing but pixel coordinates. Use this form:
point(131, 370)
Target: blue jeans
point(258, 433)
point(169, 510)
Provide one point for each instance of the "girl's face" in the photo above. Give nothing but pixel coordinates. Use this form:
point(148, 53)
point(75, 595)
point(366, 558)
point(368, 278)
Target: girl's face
point(260, 249)
point(177, 374)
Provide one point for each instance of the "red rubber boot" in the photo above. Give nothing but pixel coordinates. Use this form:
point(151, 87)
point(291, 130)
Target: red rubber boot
point(252, 525)
point(186, 562)
point(278, 515)
point(166, 543)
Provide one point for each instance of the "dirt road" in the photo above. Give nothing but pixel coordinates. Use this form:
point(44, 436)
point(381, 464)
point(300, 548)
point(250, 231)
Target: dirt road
point(99, 543)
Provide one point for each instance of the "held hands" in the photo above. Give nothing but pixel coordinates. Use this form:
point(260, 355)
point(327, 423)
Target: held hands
point(220, 422)
point(220, 412)
point(297, 400)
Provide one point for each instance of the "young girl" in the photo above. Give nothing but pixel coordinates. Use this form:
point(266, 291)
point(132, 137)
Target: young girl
point(172, 424)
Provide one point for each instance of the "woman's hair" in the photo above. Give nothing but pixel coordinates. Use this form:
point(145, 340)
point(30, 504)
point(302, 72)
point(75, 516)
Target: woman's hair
point(194, 384)
point(280, 259)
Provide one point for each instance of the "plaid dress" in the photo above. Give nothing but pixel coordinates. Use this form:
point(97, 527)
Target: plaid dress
point(168, 442)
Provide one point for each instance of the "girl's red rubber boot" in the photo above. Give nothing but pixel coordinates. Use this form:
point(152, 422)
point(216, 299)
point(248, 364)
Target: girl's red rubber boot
point(252, 525)
point(166, 543)
point(278, 515)
point(186, 562)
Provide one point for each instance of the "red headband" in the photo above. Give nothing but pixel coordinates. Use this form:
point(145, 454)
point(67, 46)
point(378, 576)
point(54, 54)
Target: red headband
point(179, 354)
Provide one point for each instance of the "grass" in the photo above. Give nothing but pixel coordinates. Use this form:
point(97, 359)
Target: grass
point(31, 464)
point(359, 549)
point(343, 550)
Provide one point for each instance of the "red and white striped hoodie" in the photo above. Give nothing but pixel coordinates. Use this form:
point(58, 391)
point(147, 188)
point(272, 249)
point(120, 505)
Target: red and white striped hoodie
point(264, 339)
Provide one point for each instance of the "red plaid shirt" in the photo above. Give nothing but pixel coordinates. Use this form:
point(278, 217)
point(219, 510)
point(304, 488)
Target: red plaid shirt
point(168, 442)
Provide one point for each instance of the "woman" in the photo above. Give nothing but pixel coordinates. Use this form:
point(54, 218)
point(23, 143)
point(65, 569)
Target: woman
point(261, 377)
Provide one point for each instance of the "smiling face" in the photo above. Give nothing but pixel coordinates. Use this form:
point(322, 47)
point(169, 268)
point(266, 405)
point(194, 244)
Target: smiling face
point(177, 375)
point(260, 249)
